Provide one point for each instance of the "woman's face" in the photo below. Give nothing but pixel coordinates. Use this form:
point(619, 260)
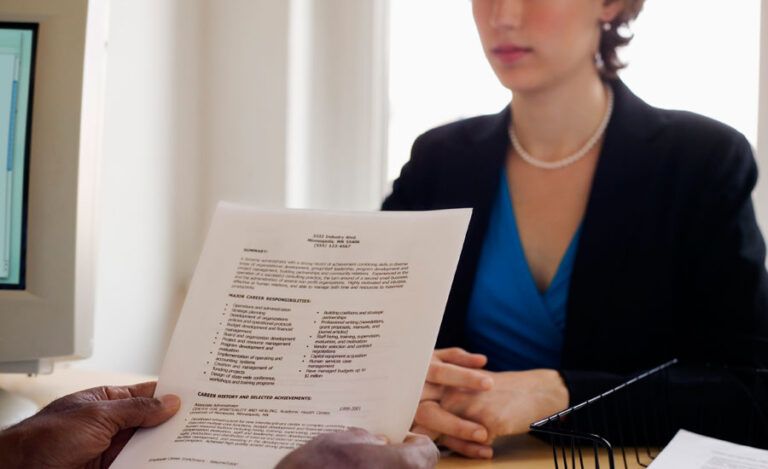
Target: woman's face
point(532, 44)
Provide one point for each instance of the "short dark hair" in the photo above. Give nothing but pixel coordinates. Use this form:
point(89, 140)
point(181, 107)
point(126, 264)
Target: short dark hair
point(615, 36)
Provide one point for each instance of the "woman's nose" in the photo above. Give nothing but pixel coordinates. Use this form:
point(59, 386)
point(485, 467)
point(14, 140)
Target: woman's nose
point(507, 14)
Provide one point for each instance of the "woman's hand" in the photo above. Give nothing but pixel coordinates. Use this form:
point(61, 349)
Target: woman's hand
point(450, 370)
point(517, 399)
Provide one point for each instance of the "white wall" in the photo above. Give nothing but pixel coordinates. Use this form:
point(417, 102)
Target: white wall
point(338, 106)
point(244, 102)
point(150, 172)
point(761, 193)
point(195, 113)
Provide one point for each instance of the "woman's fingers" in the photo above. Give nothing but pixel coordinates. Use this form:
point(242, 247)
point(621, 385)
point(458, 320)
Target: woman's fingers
point(432, 434)
point(467, 448)
point(461, 357)
point(447, 374)
point(431, 416)
point(431, 392)
point(453, 367)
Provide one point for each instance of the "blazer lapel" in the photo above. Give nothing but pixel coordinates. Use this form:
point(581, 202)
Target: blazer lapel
point(474, 181)
point(624, 172)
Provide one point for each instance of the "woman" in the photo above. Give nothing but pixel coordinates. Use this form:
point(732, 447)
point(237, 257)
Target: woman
point(607, 236)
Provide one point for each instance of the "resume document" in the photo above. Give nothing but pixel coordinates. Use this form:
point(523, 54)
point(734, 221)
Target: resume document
point(687, 450)
point(298, 323)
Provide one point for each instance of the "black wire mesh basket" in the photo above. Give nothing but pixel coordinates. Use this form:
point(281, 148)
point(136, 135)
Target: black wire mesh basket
point(626, 426)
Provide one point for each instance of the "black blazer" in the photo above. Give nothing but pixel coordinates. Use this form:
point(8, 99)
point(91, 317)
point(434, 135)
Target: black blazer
point(670, 262)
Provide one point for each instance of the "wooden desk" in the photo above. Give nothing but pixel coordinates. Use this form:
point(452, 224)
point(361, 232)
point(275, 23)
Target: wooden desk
point(527, 452)
point(515, 452)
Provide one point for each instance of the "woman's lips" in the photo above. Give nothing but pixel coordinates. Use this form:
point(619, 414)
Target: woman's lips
point(509, 54)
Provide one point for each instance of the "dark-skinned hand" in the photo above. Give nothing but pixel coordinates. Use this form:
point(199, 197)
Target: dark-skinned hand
point(356, 448)
point(86, 429)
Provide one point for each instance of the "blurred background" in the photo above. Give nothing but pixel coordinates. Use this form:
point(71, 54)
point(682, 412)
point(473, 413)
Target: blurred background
point(314, 104)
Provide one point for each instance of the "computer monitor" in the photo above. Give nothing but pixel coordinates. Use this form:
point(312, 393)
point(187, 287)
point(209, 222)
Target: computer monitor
point(52, 64)
point(17, 53)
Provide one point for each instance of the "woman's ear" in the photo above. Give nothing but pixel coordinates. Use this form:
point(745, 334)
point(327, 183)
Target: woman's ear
point(611, 10)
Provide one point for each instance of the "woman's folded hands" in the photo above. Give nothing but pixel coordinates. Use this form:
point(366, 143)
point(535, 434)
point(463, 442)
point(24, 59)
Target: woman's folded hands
point(464, 407)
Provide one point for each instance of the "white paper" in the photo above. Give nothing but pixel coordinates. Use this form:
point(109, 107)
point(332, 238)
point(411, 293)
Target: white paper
point(689, 450)
point(298, 323)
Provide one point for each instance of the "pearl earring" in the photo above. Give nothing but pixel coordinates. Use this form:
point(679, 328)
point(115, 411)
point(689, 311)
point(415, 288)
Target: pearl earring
point(606, 26)
point(599, 63)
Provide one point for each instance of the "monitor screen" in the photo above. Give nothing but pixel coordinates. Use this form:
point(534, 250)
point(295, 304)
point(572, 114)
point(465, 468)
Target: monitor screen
point(17, 51)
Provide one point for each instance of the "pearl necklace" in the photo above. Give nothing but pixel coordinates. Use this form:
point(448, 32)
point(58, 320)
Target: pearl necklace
point(568, 160)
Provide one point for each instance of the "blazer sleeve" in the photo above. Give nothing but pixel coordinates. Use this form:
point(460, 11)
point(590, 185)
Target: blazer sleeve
point(410, 188)
point(726, 326)
point(726, 255)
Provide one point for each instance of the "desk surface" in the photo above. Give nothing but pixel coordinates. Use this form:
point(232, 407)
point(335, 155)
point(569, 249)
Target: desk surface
point(527, 452)
point(513, 452)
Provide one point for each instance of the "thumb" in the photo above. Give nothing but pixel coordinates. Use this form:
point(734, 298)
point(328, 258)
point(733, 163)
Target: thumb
point(139, 411)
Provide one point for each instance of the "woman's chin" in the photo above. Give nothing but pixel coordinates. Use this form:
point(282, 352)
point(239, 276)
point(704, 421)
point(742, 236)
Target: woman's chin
point(519, 81)
point(530, 80)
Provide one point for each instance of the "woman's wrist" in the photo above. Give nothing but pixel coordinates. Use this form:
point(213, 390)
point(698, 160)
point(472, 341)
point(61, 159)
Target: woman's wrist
point(561, 389)
point(564, 383)
point(554, 396)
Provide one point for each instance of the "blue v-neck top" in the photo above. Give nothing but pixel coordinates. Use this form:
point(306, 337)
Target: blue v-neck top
point(509, 320)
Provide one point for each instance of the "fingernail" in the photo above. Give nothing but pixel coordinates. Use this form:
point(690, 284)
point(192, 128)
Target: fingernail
point(170, 401)
point(486, 383)
point(383, 438)
point(485, 453)
point(479, 435)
